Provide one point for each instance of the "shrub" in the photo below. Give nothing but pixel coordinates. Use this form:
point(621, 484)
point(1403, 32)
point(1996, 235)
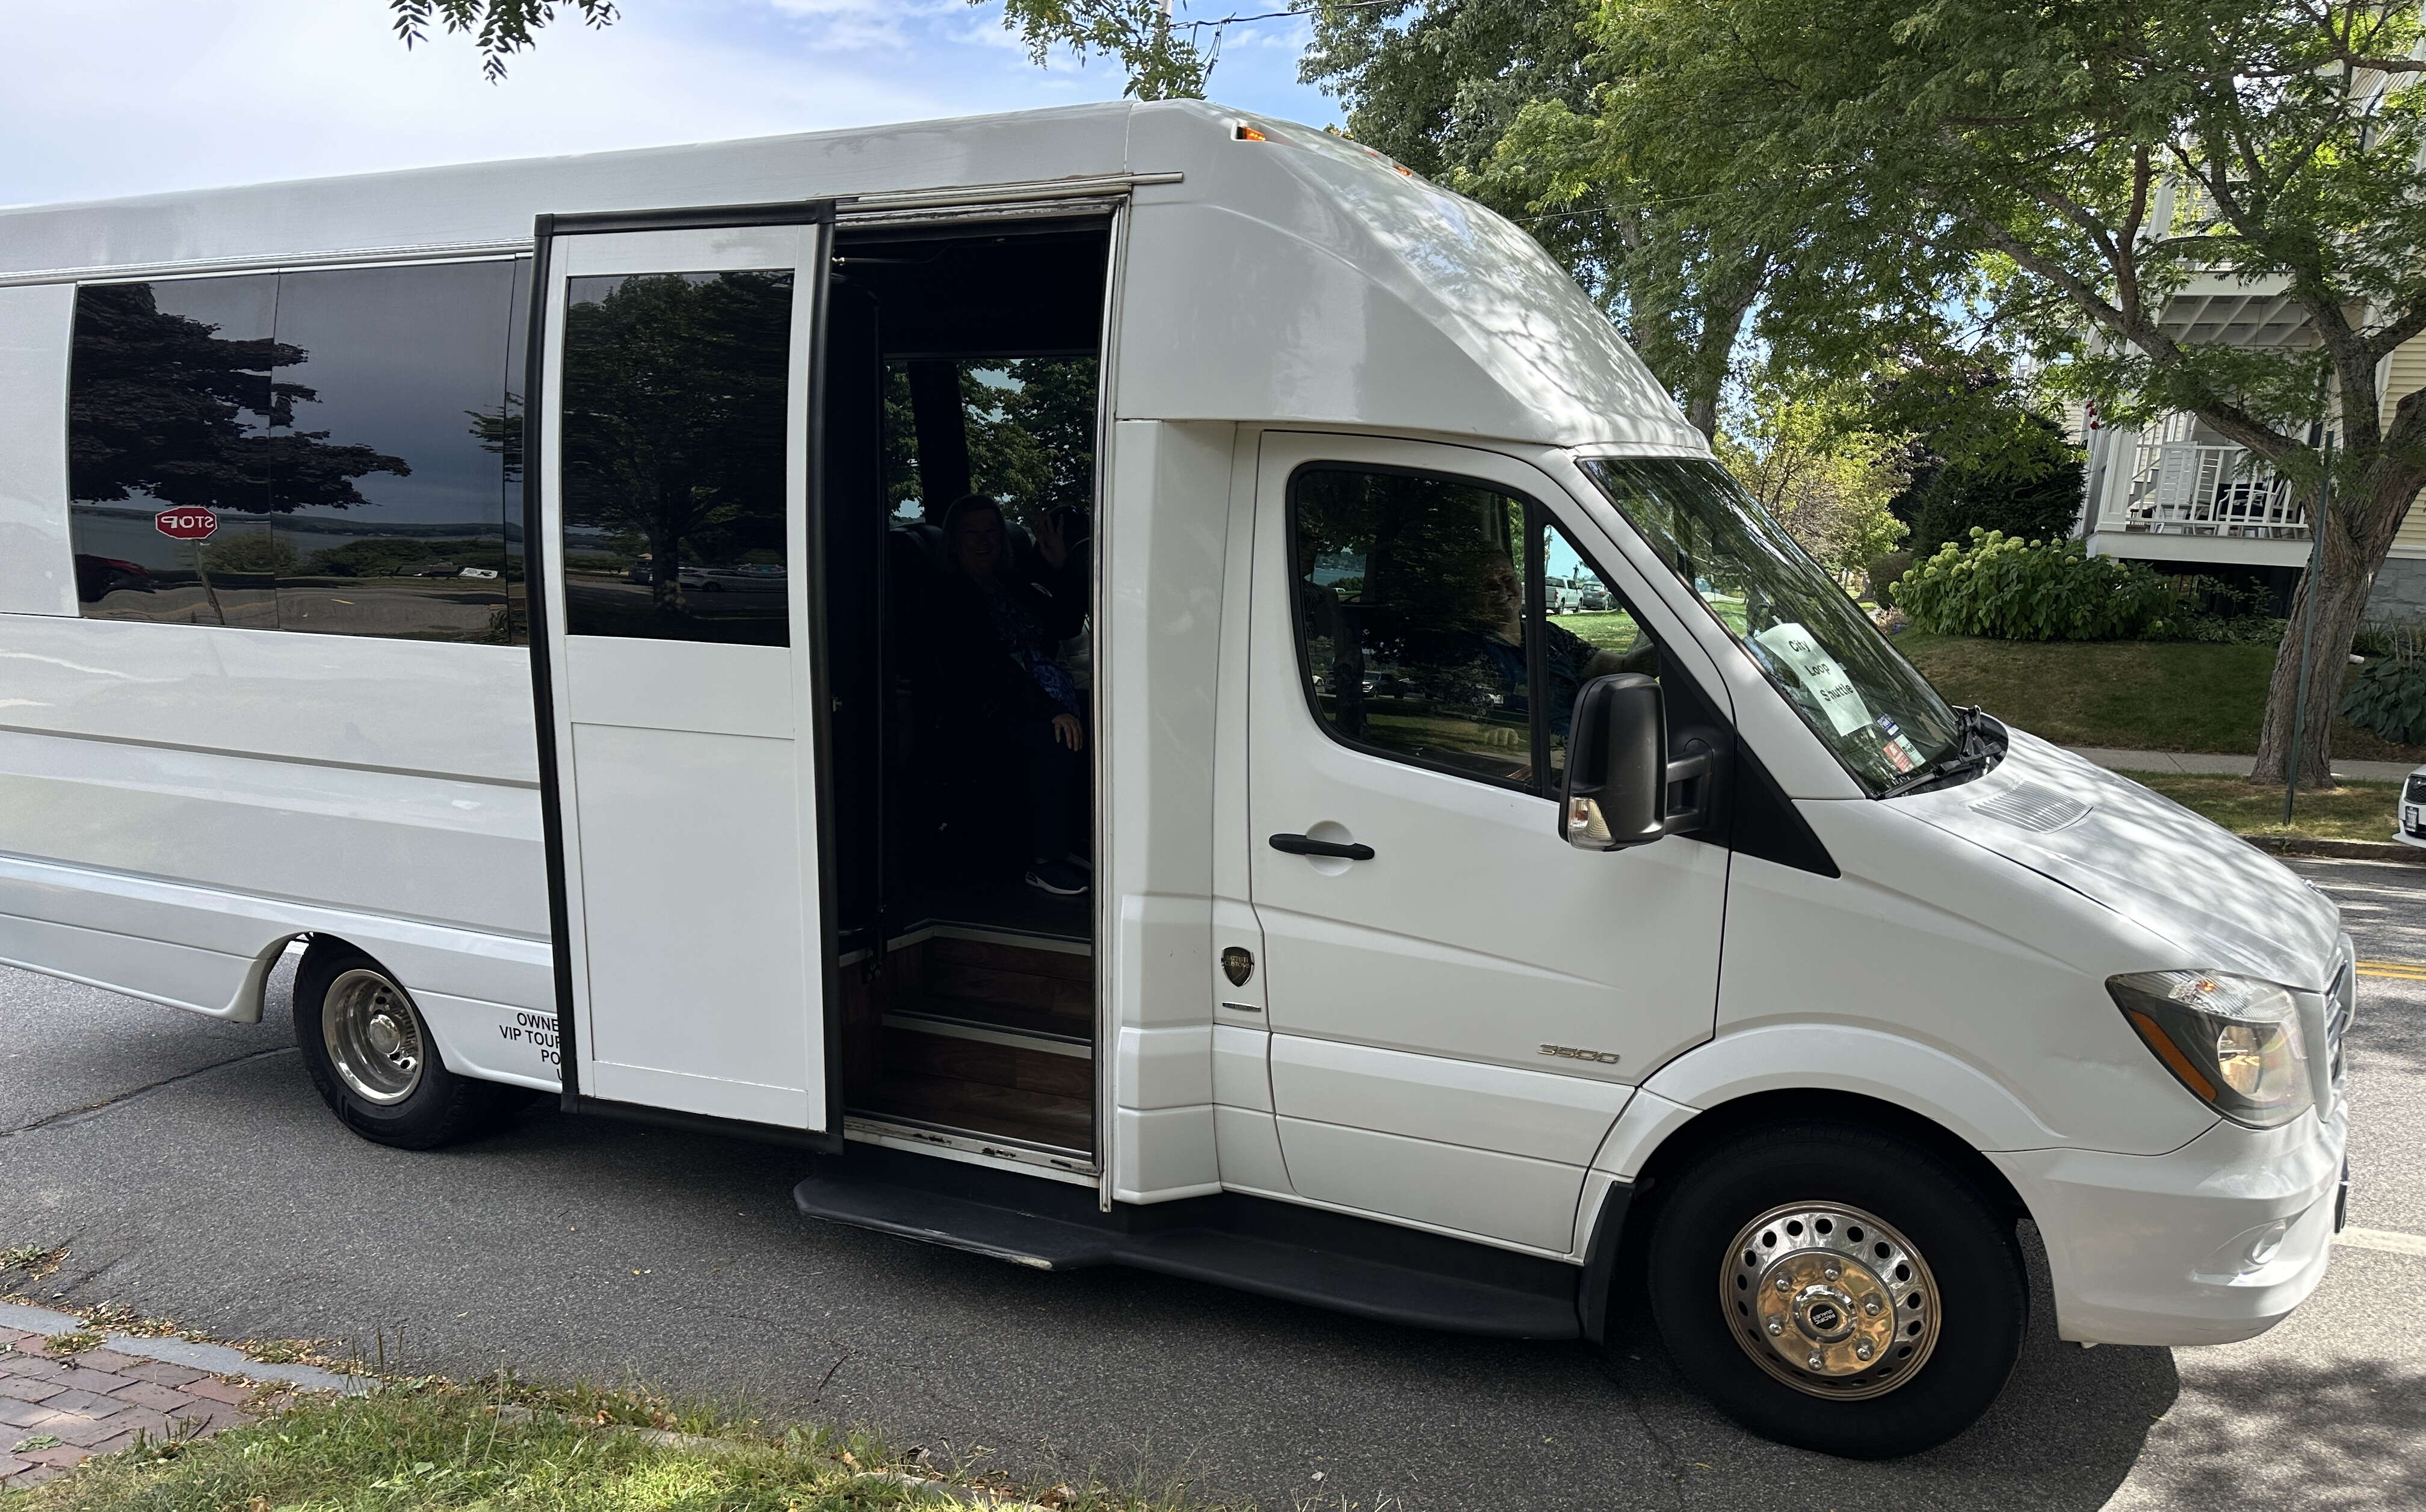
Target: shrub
point(2389, 696)
point(2009, 588)
point(2389, 637)
point(2223, 630)
point(2004, 469)
point(2221, 612)
point(1884, 572)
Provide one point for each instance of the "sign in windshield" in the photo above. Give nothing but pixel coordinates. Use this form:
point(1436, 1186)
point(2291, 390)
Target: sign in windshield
point(1880, 716)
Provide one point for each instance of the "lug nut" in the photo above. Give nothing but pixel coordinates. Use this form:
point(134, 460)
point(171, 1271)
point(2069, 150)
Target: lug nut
point(1784, 1284)
point(1871, 1307)
point(1832, 1273)
point(1862, 1350)
point(1815, 1363)
point(1775, 1328)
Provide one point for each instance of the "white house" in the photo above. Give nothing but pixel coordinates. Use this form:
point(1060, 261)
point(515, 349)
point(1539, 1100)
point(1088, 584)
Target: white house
point(2183, 496)
point(2180, 495)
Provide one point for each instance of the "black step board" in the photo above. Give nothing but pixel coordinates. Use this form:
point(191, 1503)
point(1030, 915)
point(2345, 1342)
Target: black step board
point(1222, 1253)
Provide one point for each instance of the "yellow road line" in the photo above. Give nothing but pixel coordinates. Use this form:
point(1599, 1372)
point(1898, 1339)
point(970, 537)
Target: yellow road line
point(2397, 969)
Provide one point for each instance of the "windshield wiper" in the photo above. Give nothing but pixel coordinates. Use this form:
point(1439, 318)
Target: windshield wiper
point(1981, 744)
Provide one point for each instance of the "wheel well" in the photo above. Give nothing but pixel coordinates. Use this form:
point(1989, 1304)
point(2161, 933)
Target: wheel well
point(314, 945)
point(1727, 1119)
point(322, 943)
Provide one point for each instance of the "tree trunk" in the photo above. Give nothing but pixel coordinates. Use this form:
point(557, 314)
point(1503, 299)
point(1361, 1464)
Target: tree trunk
point(665, 571)
point(2337, 586)
point(1701, 414)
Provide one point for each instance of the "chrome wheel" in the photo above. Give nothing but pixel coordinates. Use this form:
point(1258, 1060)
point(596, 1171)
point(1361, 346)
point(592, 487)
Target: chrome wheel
point(1829, 1300)
point(373, 1037)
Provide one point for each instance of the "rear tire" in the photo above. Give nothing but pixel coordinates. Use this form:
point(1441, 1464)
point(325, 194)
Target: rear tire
point(1760, 1274)
point(374, 1061)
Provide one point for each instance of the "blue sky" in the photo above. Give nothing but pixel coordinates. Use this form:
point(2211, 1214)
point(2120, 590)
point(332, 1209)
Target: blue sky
point(116, 97)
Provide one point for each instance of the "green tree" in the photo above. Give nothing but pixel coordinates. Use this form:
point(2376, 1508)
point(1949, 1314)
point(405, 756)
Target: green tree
point(1032, 443)
point(1710, 265)
point(1163, 60)
point(1984, 458)
point(2094, 159)
point(1802, 446)
point(499, 29)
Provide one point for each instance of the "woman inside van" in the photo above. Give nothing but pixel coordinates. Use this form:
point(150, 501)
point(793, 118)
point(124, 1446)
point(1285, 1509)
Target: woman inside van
point(999, 630)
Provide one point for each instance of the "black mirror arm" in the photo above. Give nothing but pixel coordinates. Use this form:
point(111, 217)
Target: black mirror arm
point(1692, 773)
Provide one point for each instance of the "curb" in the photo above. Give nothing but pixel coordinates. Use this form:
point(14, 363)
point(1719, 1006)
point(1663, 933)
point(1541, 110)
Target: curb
point(2372, 850)
point(217, 1359)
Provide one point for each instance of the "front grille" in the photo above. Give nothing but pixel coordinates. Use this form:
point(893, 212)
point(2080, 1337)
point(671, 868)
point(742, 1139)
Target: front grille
point(2413, 790)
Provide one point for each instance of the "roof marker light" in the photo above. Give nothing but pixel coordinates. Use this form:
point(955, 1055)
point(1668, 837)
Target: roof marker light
point(1248, 133)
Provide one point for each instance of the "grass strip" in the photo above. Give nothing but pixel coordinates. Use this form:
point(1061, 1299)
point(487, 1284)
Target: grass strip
point(2353, 811)
point(2131, 695)
point(435, 1444)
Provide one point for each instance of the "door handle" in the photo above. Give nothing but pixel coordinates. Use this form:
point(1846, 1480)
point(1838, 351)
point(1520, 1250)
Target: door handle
point(1305, 845)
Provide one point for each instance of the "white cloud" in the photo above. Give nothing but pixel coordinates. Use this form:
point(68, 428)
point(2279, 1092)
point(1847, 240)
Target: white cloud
point(113, 97)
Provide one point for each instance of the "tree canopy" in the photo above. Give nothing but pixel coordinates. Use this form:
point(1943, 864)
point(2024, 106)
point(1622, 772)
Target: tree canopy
point(1800, 444)
point(500, 29)
point(163, 406)
point(1708, 264)
point(2097, 161)
point(1163, 61)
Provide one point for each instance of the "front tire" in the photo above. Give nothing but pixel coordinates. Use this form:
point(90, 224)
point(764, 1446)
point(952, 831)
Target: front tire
point(373, 1058)
point(1836, 1288)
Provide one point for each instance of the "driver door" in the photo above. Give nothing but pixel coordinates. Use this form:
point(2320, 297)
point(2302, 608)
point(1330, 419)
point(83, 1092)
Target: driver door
point(1460, 1002)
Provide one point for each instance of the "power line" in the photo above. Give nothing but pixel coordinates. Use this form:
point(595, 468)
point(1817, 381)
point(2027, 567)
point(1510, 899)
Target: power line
point(1282, 15)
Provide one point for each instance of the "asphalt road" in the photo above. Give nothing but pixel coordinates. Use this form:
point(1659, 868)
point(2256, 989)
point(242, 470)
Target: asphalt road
point(192, 1173)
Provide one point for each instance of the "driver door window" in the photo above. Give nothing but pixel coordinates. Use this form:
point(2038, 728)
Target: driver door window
point(1450, 624)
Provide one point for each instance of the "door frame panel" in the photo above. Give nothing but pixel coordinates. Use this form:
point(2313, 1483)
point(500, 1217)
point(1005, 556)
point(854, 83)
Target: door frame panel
point(804, 542)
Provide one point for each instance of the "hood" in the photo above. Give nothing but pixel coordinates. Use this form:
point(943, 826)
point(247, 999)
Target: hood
point(2227, 904)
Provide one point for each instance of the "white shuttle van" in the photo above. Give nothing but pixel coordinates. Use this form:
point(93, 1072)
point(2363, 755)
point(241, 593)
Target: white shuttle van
point(1013, 654)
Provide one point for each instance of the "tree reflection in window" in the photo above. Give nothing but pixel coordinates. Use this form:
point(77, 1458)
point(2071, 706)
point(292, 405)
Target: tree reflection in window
point(172, 401)
point(674, 436)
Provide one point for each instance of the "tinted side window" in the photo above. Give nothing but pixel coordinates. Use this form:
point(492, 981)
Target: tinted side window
point(322, 451)
point(170, 401)
point(507, 435)
point(386, 505)
point(1410, 618)
point(675, 405)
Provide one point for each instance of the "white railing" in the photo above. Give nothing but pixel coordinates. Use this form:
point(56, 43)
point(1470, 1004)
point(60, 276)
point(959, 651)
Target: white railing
point(2178, 486)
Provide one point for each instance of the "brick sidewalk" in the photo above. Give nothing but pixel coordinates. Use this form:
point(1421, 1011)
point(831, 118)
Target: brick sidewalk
point(97, 1402)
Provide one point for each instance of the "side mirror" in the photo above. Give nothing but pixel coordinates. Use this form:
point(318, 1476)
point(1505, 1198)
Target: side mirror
point(1617, 764)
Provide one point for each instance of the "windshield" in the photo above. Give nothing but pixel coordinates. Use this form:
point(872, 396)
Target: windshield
point(1879, 716)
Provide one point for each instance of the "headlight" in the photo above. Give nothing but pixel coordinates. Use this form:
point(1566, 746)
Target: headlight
point(2233, 1040)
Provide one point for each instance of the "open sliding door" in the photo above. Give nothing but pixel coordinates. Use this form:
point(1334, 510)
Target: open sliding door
point(675, 642)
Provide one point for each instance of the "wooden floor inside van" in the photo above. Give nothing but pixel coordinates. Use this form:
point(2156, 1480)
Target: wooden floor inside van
point(976, 1035)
